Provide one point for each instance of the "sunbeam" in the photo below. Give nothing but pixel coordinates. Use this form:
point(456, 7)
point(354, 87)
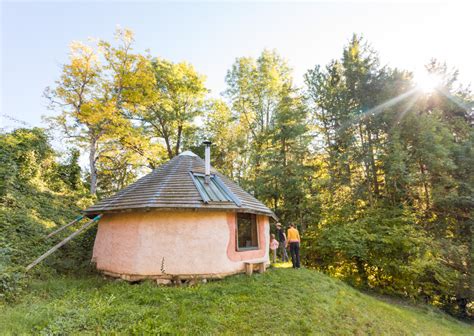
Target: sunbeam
point(379, 108)
point(455, 100)
point(431, 85)
point(409, 105)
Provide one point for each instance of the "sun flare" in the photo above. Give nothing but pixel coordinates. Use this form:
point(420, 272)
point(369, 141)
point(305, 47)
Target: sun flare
point(427, 82)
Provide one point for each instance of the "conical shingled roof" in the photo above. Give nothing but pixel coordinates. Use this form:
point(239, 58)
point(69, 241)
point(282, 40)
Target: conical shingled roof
point(171, 187)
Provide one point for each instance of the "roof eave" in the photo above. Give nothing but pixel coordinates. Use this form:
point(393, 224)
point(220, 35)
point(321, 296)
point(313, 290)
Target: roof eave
point(91, 212)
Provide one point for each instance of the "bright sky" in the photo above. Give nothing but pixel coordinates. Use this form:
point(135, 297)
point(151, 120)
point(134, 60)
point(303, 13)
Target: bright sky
point(35, 38)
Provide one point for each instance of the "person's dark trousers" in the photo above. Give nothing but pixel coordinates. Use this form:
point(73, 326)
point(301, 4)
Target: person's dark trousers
point(284, 255)
point(295, 254)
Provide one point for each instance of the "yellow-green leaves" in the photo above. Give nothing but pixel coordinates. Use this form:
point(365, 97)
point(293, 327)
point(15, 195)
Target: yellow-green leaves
point(99, 91)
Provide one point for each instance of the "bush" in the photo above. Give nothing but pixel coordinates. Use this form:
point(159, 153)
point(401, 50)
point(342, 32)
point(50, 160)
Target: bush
point(383, 249)
point(12, 283)
point(34, 200)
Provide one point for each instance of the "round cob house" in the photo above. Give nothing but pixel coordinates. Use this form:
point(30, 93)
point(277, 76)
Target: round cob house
point(184, 220)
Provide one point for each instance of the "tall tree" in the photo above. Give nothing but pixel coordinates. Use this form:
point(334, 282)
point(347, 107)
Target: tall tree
point(178, 100)
point(96, 99)
point(331, 114)
point(274, 147)
point(226, 135)
point(85, 118)
point(283, 182)
point(254, 89)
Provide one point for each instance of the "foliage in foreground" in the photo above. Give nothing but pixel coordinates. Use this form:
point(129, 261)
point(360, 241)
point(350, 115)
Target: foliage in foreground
point(37, 194)
point(281, 301)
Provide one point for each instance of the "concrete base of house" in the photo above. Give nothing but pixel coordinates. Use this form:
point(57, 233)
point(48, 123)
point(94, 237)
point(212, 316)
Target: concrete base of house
point(178, 279)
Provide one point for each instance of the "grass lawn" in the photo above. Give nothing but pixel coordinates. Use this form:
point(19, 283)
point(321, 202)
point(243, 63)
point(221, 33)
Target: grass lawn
point(281, 301)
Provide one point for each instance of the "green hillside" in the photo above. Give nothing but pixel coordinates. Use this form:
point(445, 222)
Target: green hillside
point(281, 301)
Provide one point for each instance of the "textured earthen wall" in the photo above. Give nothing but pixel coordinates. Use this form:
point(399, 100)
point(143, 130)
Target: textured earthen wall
point(186, 243)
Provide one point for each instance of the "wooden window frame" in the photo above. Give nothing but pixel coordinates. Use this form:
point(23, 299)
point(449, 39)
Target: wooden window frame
point(250, 248)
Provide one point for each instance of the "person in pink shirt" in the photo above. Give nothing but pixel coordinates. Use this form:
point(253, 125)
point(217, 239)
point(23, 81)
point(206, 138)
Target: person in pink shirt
point(274, 246)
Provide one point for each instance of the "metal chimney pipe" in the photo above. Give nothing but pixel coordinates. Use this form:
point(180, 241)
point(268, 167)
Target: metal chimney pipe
point(207, 159)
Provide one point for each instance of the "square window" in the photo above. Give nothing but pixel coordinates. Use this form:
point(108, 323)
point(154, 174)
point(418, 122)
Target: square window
point(247, 236)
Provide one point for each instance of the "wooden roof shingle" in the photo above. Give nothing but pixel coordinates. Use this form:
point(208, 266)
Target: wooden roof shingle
point(171, 187)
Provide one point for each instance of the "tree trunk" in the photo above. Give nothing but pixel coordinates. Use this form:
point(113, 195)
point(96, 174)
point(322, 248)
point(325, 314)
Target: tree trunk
point(178, 139)
point(366, 164)
point(257, 163)
point(162, 131)
point(425, 185)
point(375, 181)
point(168, 147)
point(93, 170)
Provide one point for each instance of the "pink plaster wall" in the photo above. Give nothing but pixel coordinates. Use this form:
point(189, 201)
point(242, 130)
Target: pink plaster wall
point(190, 243)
